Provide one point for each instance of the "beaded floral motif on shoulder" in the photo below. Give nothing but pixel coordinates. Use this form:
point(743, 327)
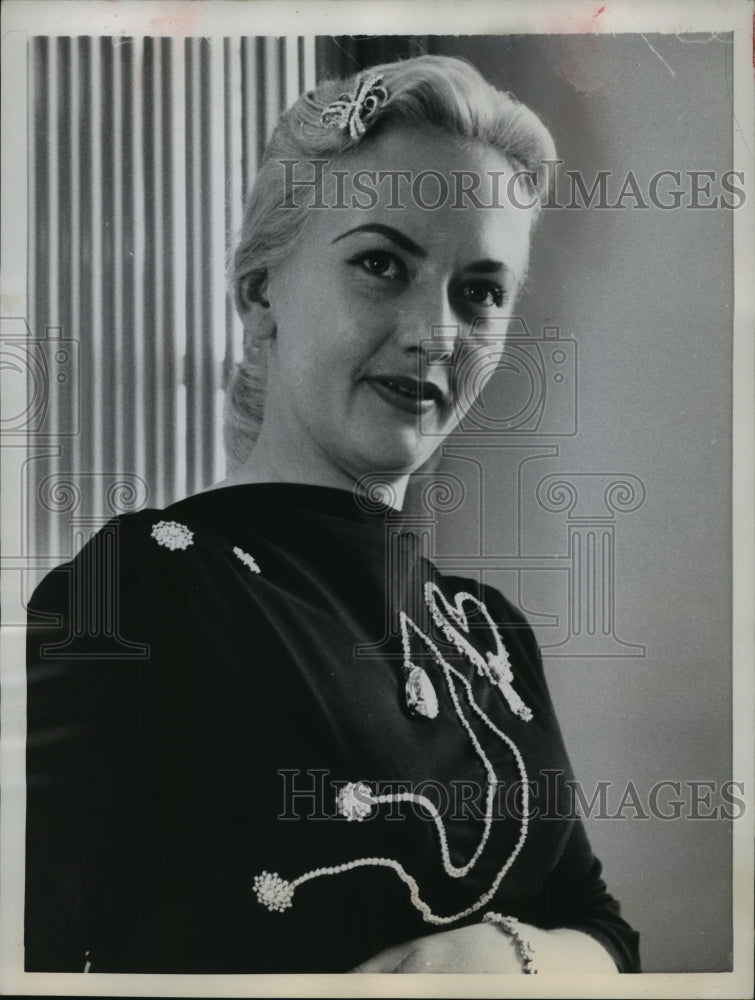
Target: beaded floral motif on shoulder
point(172, 535)
point(246, 559)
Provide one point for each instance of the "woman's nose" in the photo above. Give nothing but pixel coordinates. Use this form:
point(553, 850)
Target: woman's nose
point(428, 326)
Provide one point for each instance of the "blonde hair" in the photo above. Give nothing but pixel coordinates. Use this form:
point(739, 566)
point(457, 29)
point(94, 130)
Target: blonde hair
point(439, 91)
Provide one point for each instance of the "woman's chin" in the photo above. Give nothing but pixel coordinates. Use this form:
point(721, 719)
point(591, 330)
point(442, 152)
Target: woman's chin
point(397, 456)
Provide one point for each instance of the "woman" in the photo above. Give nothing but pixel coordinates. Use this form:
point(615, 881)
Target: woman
point(252, 746)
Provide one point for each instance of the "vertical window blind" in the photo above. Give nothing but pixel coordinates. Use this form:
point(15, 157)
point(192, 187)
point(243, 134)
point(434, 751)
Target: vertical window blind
point(141, 151)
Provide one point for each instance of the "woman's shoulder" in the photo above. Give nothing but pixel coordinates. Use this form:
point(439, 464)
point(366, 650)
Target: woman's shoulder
point(154, 548)
point(132, 537)
point(104, 571)
point(186, 524)
point(119, 554)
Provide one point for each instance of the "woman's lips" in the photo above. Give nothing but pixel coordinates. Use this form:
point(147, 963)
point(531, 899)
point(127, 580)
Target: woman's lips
point(407, 394)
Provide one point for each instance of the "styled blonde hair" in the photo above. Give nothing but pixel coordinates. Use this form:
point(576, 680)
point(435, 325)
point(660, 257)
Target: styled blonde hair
point(438, 91)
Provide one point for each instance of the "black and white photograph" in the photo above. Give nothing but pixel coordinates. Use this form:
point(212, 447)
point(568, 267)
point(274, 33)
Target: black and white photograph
point(377, 489)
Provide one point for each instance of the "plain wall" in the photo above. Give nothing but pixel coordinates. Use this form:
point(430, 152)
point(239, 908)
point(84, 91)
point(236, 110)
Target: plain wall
point(647, 295)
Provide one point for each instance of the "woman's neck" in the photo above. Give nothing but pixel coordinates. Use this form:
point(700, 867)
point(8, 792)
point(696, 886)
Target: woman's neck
point(269, 464)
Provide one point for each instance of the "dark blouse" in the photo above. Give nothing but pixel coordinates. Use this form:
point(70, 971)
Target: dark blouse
point(225, 774)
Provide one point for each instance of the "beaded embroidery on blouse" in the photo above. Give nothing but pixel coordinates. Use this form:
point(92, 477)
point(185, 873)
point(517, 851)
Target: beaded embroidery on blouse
point(246, 559)
point(172, 535)
point(356, 800)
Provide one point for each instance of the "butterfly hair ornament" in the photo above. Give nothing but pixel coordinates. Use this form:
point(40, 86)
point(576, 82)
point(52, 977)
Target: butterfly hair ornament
point(352, 112)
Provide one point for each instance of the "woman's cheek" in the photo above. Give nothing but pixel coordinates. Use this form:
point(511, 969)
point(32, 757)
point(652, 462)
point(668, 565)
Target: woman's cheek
point(474, 368)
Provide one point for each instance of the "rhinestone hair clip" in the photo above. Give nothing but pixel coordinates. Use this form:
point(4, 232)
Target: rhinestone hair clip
point(351, 112)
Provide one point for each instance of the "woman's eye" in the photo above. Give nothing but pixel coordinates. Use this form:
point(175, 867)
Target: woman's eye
point(383, 264)
point(483, 293)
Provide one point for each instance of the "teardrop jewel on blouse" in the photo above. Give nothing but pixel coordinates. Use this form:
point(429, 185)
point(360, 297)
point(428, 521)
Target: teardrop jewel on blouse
point(421, 698)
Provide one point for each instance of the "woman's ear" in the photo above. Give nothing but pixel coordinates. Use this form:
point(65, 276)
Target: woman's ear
point(253, 305)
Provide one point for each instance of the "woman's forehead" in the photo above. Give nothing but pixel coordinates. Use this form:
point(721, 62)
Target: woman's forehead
point(421, 148)
point(424, 168)
point(448, 196)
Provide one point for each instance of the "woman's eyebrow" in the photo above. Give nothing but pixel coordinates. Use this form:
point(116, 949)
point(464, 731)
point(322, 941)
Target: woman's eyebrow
point(392, 234)
point(487, 266)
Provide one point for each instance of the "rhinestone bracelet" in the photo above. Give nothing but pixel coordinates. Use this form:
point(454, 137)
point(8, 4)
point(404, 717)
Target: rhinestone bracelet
point(511, 926)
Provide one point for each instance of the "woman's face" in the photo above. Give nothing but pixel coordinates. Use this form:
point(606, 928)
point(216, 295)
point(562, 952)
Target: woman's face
point(388, 319)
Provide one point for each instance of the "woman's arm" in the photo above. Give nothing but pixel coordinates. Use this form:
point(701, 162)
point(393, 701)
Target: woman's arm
point(83, 751)
point(572, 923)
point(574, 899)
point(485, 948)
